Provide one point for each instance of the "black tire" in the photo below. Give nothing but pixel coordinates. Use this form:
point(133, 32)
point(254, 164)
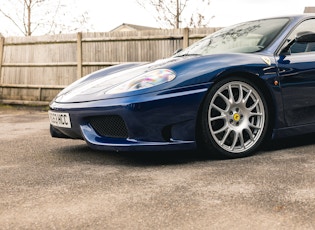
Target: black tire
point(234, 118)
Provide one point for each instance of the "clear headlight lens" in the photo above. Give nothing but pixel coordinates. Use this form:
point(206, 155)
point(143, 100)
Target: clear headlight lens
point(147, 80)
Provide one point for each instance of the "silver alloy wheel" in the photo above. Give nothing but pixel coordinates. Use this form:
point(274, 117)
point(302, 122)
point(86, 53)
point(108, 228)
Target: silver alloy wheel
point(236, 117)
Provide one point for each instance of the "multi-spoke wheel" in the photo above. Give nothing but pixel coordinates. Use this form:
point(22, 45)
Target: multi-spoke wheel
point(235, 117)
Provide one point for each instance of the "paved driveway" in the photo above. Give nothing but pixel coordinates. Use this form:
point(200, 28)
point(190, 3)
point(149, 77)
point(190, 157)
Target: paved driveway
point(48, 183)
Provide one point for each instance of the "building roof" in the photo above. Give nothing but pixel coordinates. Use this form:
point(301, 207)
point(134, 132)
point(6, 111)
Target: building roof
point(130, 27)
point(309, 9)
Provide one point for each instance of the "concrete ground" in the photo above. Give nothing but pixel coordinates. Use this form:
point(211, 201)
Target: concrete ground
point(49, 183)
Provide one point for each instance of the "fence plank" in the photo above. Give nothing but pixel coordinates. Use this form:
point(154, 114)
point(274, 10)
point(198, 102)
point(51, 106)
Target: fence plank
point(79, 55)
point(1, 57)
point(37, 68)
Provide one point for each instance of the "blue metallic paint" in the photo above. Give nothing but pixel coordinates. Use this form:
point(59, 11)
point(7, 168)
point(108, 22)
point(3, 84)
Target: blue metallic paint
point(175, 105)
point(145, 117)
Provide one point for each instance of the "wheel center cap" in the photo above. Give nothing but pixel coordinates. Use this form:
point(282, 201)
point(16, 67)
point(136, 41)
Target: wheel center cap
point(236, 116)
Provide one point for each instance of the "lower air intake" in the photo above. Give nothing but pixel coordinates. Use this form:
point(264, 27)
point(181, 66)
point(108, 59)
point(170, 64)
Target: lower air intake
point(109, 126)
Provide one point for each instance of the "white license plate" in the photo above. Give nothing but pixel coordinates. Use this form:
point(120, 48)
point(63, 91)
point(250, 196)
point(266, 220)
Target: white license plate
point(59, 119)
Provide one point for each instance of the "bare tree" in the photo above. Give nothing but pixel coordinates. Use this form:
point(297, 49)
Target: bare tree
point(37, 17)
point(179, 13)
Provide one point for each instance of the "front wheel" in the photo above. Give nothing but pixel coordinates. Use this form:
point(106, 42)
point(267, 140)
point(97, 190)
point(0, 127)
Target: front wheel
point(234, 118)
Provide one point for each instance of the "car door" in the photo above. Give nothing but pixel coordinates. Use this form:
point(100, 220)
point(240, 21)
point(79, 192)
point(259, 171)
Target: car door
point(297, 78)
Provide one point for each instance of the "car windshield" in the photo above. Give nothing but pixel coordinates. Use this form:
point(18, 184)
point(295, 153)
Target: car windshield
point(248, 37)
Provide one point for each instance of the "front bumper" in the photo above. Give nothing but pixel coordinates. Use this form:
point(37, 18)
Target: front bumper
point(152, 121)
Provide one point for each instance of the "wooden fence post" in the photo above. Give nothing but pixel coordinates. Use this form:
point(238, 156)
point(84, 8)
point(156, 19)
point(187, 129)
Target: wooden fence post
point(1, 57)
point(79, 55)
point(186, 38)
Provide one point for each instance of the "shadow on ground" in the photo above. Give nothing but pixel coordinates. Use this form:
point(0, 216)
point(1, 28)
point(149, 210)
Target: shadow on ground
point(85, 154)
point(291, 142)
point(148, 158)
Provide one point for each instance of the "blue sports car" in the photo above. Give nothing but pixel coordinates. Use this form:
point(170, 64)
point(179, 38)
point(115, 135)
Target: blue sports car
point(228, 93)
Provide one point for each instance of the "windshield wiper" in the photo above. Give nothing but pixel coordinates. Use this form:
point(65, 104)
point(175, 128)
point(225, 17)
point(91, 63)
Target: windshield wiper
point(187, 54)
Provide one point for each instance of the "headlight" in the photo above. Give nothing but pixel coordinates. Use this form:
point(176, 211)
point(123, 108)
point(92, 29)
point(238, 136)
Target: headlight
point(147, 80)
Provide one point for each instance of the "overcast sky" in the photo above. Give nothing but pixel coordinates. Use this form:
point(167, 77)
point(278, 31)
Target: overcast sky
point(106, 15)
point(112, 13)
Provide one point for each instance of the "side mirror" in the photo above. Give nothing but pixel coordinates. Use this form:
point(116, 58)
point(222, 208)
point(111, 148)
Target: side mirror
point(306, 38)
point(302, 37)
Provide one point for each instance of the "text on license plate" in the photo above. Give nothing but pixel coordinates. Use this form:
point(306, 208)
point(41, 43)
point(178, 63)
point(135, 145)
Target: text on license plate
point(60, 119)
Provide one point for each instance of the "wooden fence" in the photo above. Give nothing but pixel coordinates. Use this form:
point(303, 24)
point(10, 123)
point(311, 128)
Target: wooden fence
point(34, 69)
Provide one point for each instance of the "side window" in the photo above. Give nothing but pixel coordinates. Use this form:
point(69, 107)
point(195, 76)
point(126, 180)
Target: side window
point(305, 27)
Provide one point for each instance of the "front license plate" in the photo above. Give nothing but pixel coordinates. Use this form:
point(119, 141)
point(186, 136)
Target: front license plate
point(59, 119)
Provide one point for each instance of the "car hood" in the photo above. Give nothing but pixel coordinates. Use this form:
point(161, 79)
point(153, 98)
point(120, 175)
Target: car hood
point(95, 85)
point(190, 70)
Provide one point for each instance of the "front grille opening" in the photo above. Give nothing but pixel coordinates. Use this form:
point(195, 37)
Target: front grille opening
point(109, 126)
